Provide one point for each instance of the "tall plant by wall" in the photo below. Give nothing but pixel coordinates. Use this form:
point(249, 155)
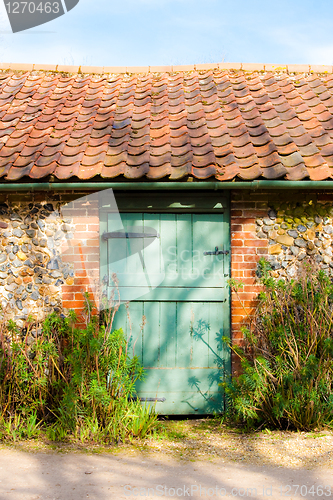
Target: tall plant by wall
point(69, 382)
point(287, 356)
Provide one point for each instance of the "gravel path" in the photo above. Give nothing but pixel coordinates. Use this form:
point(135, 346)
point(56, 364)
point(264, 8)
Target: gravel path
point(207, 439)
point(194, 459)
point(76, 476)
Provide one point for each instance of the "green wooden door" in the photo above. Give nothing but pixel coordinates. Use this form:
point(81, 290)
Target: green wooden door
point(170, 269)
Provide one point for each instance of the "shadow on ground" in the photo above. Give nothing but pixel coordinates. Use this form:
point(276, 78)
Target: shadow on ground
point(223, 465)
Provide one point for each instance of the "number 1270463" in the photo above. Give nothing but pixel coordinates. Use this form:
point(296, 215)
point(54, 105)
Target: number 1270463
point(33, 7)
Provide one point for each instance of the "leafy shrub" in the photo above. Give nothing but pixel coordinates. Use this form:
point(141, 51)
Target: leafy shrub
point(73, 383)
point(287, 356)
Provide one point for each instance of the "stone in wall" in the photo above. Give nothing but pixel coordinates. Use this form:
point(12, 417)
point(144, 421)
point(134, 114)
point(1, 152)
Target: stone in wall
point(296, 231)
point(31, 269)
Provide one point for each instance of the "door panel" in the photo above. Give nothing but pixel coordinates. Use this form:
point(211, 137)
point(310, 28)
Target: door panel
point(182, 294)
point(177, 255)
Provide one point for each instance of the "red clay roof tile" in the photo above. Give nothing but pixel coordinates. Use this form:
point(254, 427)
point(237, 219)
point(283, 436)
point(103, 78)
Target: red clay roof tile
point(159, 124)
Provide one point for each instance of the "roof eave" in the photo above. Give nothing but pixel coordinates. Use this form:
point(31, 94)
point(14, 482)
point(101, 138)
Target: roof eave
point(174, 186)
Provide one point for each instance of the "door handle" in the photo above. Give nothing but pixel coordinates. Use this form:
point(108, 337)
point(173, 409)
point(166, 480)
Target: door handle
point(217, 252)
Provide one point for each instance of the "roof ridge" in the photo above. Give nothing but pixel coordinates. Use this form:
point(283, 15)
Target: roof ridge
point(61, 68)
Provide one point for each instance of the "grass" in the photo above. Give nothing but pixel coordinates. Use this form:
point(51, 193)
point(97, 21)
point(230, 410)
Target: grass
point(204, 439)
point(178, 430)
point(166, 431)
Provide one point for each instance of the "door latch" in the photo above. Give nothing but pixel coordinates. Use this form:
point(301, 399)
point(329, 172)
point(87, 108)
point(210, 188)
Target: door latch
point(217, 252)
point(123, 234)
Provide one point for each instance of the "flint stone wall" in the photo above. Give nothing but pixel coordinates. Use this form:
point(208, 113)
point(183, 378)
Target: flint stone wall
point(32, 271)
point(296, 230)
point(283, 226)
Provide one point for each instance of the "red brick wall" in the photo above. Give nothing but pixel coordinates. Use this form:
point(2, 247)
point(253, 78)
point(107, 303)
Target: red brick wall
point(83, 254)
point(246, 250)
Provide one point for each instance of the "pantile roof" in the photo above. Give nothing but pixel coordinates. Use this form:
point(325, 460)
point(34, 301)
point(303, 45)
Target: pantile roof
point(228, 122)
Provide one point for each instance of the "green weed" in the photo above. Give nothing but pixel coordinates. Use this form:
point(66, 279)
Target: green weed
point(70, 383)
point(287, 356)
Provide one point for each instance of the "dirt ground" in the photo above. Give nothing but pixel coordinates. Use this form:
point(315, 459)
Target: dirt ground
point(190, 459)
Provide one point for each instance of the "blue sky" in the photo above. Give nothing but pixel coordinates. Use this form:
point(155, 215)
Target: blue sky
point(161, 32)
